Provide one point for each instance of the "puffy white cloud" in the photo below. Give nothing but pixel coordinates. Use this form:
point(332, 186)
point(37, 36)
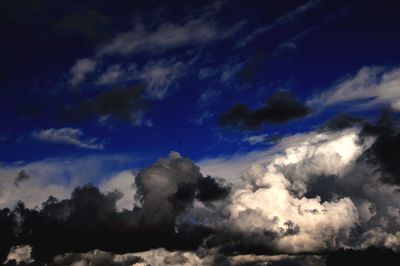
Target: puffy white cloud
point(309, 193)
point(69, 136)
point(81, 69)
point(371, 86)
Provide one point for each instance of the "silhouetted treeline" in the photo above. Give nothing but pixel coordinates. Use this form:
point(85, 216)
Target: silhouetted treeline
point(372, 256)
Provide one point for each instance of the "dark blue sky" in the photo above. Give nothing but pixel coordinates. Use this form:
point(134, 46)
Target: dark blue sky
point(143, 78)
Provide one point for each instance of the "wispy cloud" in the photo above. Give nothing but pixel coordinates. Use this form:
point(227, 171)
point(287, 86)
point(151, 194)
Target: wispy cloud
point(68, 136)
point(80, 70)
point(286, 18)
point(256, 139)
point(158, 77)
point(167, 36)
point(369, 87)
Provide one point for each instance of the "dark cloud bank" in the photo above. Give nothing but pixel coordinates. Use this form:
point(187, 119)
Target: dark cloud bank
point(280, 107)
point(89, 219)
point(179, 210)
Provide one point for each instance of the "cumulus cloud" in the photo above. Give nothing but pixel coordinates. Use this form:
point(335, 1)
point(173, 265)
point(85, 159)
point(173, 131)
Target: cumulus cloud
point(369, 87)
point(89, 217)
point(68, 136)
point(280, 107)
point(80, 70)
point(313, 192)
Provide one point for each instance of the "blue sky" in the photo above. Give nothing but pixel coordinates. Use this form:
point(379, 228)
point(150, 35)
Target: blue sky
point(188, 63)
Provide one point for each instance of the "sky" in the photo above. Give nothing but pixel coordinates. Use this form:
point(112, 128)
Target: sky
point(198, 132)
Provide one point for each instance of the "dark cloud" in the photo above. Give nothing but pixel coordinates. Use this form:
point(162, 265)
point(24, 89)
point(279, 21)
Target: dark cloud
point(98, 258)
point(342, 121)
point(209, 189)
point(371, 256)
point(280, 107)
point(120, 103)
point(384, 152)
point(21, 177)
point(89, 219)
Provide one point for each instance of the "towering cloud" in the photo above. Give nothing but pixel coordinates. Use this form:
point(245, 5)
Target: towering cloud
point(90, 219)
point(316, 193)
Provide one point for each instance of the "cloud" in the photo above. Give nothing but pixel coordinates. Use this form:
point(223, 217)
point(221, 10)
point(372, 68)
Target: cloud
point(342, 121)
point(124, 183)
point(90, 219)
point(281, 107)
point(112, 75)
point(58, 177)
point(369, 87)
point(21, 177)
point(208, 96)
point(383, 152)
point(202, 118)
point(313, 192)
point(166, 37)
point(80, 70)
point(21, 254)
point(289, 17)
point(256, 139)
point(158, 77)
point(68, 136)
point(117, 104)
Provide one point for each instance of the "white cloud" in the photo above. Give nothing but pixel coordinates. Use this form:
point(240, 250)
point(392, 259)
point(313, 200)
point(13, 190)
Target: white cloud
point(371, 86)
point(81, 69)
point(167, 36)
point(124, 183)
point(68, 136)
point(159, 77)
point(112, 75)
point(256, 139)
point(58, 177)
point(312, 184)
